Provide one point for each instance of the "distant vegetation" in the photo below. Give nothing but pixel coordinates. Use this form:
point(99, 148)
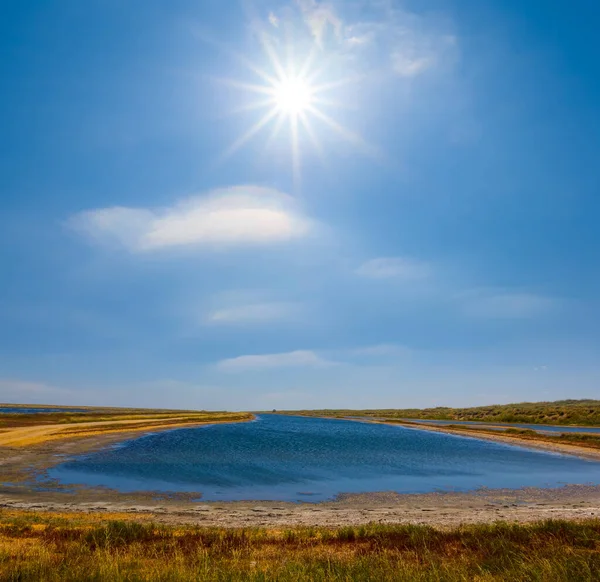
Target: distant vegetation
point(80, 547)
point(561, 412)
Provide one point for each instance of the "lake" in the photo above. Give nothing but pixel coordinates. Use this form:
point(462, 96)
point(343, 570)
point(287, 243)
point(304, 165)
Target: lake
point(290, 458)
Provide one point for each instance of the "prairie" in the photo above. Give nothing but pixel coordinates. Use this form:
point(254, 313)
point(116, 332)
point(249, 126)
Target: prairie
point(77, 547)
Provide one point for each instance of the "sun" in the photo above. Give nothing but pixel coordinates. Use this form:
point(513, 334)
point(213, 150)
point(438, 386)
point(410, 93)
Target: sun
point(293, 96)
point(294, 92)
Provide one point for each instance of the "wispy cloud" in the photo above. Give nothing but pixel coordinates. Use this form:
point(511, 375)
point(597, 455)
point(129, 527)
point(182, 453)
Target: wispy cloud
point(319, 16)
point(230, 216)
point(501, 304)
point(411, 43)
point(394, 267)
point(406, 66)
point(406, 43)
point(255, 313)
point(295, 359)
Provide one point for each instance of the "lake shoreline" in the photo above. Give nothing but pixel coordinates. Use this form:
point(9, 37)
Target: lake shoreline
point(20, 467)
point(442, 509)
point(563, 448)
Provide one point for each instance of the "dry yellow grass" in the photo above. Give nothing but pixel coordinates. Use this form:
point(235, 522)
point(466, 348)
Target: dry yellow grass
point(23, 436)
point(77, 547)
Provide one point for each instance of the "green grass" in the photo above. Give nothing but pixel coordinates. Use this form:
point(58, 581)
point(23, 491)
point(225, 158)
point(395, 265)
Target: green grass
point(67, 548)
point(562, 412)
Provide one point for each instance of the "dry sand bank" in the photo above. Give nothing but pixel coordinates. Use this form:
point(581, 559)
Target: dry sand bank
point(558, 447)
point(441, 509)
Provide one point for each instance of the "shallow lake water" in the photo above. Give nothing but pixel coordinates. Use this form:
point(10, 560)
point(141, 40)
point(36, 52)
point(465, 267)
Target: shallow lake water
point(291, 458)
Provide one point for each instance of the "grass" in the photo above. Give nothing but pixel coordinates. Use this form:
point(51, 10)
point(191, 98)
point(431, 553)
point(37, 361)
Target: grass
point(14, 420)
point(562, 412)
point(77, 547)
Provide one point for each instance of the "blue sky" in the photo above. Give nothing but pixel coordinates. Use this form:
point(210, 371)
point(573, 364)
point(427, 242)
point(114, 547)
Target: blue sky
point(306, 204)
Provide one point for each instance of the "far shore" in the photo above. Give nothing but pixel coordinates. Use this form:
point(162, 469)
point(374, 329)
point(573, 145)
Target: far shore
point(555, 447)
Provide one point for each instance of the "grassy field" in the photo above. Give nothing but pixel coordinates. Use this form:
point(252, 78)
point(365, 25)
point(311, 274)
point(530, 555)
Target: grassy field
point(562, 412)
point(25, 429)
point(80, 547)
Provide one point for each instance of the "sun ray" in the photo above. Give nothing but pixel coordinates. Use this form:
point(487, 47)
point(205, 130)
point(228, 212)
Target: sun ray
point(295, 151)
point(250, 133)
point(265, 90)
point(275, 131)
point(350, 136)
point(252, 106)
point(295, 92)
point(306, 66)
point(312, 136)
point(208, 38)
point(335, 84)
point(333, 103)
point(272, 56)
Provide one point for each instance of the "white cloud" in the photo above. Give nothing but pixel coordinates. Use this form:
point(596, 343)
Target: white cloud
point(295, 359)
point(389, 40)
point(406, 66)
point(407, 43)
point(505, 305)
point(318, 16)
point(354, 40)
point(394, 267)
point(255, 313)
point(230, 216)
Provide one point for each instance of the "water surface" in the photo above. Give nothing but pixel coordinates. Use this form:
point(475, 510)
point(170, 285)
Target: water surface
point(312, 459)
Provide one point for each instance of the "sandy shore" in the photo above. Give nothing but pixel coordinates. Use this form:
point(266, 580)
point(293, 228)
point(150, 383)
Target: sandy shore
point(441, 509)
point(20, 465)
point(563, 448)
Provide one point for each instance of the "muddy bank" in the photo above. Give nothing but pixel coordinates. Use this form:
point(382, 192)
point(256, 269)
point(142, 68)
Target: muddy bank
point(441, 509)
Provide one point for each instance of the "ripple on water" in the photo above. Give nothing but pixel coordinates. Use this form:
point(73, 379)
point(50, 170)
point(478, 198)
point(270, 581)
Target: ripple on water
point(286, 458)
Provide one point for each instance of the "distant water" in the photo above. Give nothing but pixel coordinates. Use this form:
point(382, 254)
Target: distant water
point(538, 427)
point(292, 458)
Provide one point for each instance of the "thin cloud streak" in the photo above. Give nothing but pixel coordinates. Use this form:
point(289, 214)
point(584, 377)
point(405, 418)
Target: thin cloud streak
point(255, 313)
point(295, 359)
